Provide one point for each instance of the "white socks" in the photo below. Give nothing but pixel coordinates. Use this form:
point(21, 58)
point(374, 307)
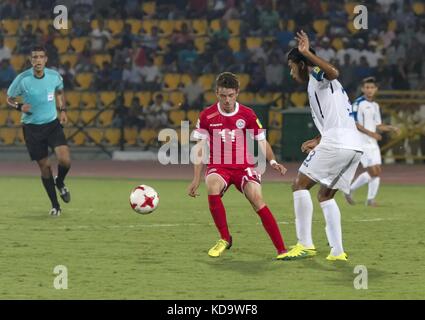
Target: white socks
point(303, 217)
point(333, 226)
point(361, 180)
point(373, 188)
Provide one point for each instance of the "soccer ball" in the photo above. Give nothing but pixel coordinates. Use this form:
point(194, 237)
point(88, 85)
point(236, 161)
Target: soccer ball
point(144, 199)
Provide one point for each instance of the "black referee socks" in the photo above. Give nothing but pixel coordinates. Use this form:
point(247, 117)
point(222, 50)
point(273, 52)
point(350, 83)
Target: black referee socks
point(62, 172)
point(49, 185)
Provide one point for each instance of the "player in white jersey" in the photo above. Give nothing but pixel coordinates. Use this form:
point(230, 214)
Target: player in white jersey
point(368, 120)
point(333, 156)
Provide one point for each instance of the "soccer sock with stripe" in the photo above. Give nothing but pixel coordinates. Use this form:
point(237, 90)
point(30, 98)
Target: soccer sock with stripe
point(361, 180)
point(303, 207)
point(333, 226)
point(62, 172)
point(373, 188)
point(270, 225)
point(219, 215)
point(49, 185)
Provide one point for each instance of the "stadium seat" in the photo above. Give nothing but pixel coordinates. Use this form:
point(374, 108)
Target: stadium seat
point(3, 97)
point(320, 26)
point(43, 24)
point(176, 98)
point(166, 27)
point(349, 8)
point(136, 25)
point(66, 32)
point(78, 44)
point(78, 138)
point(200, 43)
point(73, 99)
point(246, 98)
point(207, 81)
point(94, 24)
point(107, 97)
point(253, 42)
point(73, 116)
point(210, 97)
point(234, 27)
point(7, 135)
point(84, 80)
point(95, 134)
point(20, 136)
point(274, 137)
point(99, 59)
point(158, 60)
point(215, 25)
point(235, 44)
point(15, 117)
point(89, 100)
point(200, 27)
point(25, 22)
point(128, 96)
point(351, 28)
point(263, 98)
point(10, 42)
point(193, 116)
point(114, 42)
point(164, 42)
point(115, 26)
point(278, 99)
point(105, 118)
point(291, 25)
point(392, 25)
point(275, 119)
point(61, 44)
point(171, 81)
point(145, 98)
point(11, 26)
point(4, 115)
point(185, 79)
point(176, 116)
point(88, 117)
point(147, 136)
point(130, 136)
point(244, 79)
point(112, 136)
point(299, 99)
point(337, 44)
point(71, 58)
point(418, 8)
point(149, 8)
point(178, 24)
point(17, 61)
point(148, 24)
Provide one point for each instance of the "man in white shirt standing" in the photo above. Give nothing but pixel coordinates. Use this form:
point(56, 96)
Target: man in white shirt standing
point(368, 121)
point(333, 156)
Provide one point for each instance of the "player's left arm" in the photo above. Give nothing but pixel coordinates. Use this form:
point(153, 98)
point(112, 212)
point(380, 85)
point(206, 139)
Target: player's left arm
point(331, 72)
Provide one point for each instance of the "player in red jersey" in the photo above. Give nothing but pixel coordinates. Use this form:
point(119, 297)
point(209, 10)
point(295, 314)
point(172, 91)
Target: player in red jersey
point(223, 127)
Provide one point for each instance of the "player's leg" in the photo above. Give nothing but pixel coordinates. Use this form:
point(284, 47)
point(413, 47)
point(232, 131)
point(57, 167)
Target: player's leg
point(216, 184)
point(333, 228)
point(252, 191)
point(373, 186)
point(64, 164)
point(362, 179)
point(49, 185)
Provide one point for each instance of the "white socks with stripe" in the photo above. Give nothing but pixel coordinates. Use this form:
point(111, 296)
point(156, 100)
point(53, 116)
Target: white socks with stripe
point(333, 226)
point(361, 180)
point(303, 207)
point(373, 188)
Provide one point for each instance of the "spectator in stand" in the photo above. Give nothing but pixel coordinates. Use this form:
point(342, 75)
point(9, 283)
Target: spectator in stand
point(274, 74)
point(5, 52)
point(325, 51)
point(242, 57)
point(103, 77)
point(197, 9)
point(132, 77)
point(68, 75)
point(157, 113)
point(99, 37)
point(25, 39)
point(120, 112)
point(399, 74)
point(193, 92)
point(187, 58)
point(7, 74)
point(151, 76)
point(269, 20)
point(136, 115)
point(284, 35)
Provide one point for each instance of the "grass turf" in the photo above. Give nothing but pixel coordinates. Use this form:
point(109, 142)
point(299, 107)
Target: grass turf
point(113, 253)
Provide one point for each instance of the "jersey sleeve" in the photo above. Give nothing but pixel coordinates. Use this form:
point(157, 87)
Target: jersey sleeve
point(59, 82)
point(15, 89)
point(319, 75)
point(256, 128)
point(378, 118)
point(360, 115)
point(201, 129)
point(355, 110)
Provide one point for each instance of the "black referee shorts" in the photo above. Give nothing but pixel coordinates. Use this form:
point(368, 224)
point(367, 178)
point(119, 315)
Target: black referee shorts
point(39, 137)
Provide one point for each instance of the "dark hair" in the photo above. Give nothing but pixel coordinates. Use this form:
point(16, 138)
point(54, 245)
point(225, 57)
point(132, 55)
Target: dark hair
point(227, 80)
point(369, 80)
point(295, 55)
point(39, 48)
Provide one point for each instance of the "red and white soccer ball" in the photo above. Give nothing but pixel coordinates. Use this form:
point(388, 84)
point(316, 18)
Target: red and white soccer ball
point(144, 199)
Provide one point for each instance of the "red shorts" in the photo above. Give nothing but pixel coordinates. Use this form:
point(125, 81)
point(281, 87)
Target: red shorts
point(238, 177)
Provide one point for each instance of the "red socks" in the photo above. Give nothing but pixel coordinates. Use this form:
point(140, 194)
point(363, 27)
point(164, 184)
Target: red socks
point(219, 215)
point(272, 228)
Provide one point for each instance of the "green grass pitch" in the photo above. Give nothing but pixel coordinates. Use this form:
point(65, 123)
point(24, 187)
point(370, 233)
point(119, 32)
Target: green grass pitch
point(113, 253)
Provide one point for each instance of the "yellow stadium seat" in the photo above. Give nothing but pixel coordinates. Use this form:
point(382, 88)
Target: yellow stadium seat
point(193, 116)
point(148, 136)
point(115, 26)
point(71, 58)
point(128, 96)
point(89, 100)
point(17, 61)
point(73, 116)
point(7, 135)
point(235, 44)
point(65, 32)
point(15, 117)
point(73, 99)
point(107, 97)
point(95, 134)
point(61, 44)
point(112, 136)
point(145, 98)
point(215, 25)
point(278, 99)
point(351, 28)
point(275, 119)
point(94, 24)
point(84, 80)
point(176, 98)
point(88, 117)
point(105, 118)
point(176, 116)
point(136, 25)
point(253, 42)
point(130, 136)
point(4, 115)
point(3, 97)
point(158, 60)
point(200, 43)
point(78, 138)
point(274, 137)
point(337, 44)
point(99, 59)
point(244, 79)
point(210, 97)
point(114, 42)
point(200, 27)
point(418, 8)
point(171, 81)
point(320, 26)
point(291, 25)
point(392, 25)
point(263, 99)
point(165, 95)
point(20, 136)
point(78, 44)
point(147, 25)
point(149, 7)
point(349, 8)
point(207, 81)
point(234, 27)
point(11, 26)
point(10, 42)
point(299, 99)
point(178, 24)
point(246, 98)
point(164, 42)
point(185, 79)
point(32, 22)
point(44, 25)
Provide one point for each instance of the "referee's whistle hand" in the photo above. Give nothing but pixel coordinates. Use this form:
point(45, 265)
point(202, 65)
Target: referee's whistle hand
point(63, 118)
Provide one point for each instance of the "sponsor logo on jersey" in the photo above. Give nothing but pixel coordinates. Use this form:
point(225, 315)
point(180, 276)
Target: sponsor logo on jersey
point(215, 124)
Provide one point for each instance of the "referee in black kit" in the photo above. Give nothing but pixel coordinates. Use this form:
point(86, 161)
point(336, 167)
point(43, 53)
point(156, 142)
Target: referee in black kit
point(41, 89)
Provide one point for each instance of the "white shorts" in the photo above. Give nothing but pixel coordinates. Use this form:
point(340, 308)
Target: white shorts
point(331, 167)
point(371, 156)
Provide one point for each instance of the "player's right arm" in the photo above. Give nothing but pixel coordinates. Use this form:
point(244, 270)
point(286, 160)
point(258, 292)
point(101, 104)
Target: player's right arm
point(15, 91)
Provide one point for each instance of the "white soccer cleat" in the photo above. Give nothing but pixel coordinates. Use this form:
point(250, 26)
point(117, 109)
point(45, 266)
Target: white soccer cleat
point(55, 212)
